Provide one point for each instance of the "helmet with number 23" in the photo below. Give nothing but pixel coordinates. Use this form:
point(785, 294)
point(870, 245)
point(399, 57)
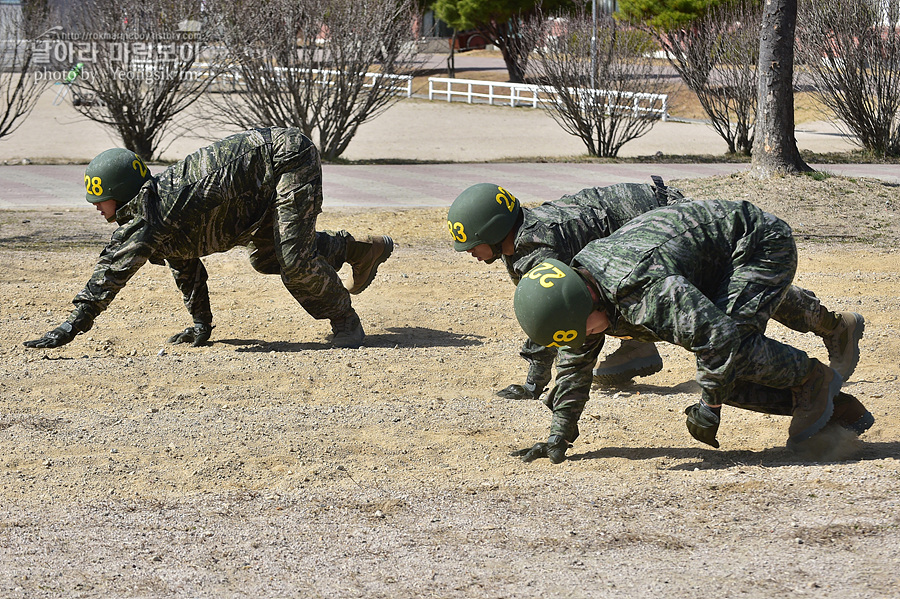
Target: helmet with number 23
point(483, 213)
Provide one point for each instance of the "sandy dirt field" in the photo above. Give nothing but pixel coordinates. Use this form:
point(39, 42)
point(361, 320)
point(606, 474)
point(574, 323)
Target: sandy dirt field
point(267, 465)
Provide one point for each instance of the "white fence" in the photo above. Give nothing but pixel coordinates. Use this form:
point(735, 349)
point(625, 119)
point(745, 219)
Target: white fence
point(232, 78)
point(524, 94)
point(513, 94)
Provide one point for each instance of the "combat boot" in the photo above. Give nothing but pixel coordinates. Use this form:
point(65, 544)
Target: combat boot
point(813, 403)
point(348, 332)
point(633, 358)
point(365, 257)
point(842, 343)
point(851, 414)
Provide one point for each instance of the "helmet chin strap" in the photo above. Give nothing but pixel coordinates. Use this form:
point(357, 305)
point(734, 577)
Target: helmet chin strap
point(497, 249)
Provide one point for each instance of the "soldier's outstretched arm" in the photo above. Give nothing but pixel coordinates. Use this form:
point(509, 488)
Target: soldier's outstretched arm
point(567, 400)
point(191, 277)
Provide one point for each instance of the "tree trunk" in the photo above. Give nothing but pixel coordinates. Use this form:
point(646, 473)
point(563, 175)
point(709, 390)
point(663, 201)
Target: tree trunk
point(451, 58)
point(774, 145)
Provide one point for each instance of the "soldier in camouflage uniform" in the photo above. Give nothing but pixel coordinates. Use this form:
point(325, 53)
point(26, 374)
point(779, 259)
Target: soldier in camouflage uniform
point(261, 189)
point(707, 276)
point(488, 222)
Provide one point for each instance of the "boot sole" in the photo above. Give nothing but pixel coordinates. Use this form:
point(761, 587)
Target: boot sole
point(833, 389)
point(347, 343)
point(862, 424)
point(629, 370)
point(388, 250)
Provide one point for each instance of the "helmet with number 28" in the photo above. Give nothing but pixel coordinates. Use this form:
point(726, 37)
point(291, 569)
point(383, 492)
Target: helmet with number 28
point(115, 174)
point(552, 304)
point(483, 213)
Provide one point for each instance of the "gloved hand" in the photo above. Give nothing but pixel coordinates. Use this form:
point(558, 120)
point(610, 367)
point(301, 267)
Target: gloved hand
point(196, 335)
point(555, 449)
point(58, 336)
point(703, 423)
point(527, 391)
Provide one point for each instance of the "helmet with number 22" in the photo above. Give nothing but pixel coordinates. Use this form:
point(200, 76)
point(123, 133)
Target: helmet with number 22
point(483, 213)
point(552, 304)
point(115, 174)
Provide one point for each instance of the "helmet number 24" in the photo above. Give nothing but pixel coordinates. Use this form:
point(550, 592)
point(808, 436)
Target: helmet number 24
point(504, 198)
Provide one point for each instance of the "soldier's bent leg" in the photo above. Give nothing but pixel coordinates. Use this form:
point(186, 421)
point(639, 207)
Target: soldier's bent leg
point(756, 287)
point(306, 274)
point(802, 311)
point(764, 366)
point(762, 360)
point(330, 245)
point(262, 256)
point(759, 398)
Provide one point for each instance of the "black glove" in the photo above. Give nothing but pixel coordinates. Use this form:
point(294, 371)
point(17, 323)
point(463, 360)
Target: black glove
point(555, 449)
point(58, 336)
point(703, 423)
point(196, 335)
point(527, 391)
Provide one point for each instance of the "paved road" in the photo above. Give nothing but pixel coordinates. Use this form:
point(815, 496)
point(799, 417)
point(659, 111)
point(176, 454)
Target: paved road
point(414, 186)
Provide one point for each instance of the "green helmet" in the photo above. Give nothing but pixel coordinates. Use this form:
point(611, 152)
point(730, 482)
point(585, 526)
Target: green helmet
point(552, 304)
point(115, 174)
point(483, 213)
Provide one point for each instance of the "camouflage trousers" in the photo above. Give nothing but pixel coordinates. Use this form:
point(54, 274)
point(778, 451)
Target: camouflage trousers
point(801, 311)
point(286, 241)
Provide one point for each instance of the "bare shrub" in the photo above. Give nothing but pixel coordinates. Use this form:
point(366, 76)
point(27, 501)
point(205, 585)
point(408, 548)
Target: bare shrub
point(20, 84)
point(145, 67)
point(325, 66)
point(851, 50)
point(591, 84)
point(716, 57)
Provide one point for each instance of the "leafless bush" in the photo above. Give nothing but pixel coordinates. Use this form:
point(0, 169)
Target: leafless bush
point(851, 50)
point(716, 58)
point(143, 66)
point(20, 85)
point(593, 99)
point(310, 64)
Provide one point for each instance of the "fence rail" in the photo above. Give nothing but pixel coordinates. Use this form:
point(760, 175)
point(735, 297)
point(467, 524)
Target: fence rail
point(399, 84)
point(495, 92)
point(526, 94)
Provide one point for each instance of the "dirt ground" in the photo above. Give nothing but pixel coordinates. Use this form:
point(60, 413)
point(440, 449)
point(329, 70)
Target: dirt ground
point(267, 465)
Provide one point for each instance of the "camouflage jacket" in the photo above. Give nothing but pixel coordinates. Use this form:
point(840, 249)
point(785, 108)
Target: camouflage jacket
point(660, 274)
point(560, 229)
point(211, 201)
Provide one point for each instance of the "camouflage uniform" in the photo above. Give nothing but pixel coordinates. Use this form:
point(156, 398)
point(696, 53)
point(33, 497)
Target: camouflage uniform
point(261, 189)
point(560, 229)
point(707, 276)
